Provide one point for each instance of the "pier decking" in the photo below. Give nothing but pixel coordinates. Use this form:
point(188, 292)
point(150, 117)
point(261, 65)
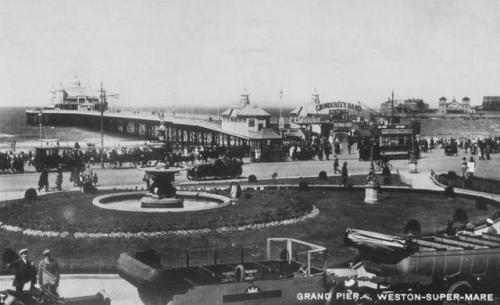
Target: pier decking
point(190, 131)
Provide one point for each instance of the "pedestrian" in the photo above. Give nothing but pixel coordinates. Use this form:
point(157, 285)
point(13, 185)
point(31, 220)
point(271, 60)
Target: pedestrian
point(95, 179)
point(336, 165)
point(43, 181)
point(471, 167)
point(48, 273)
point(24, 271)
point(487, 151)
point(59, 179)
point(463, 165)
point(344, 174)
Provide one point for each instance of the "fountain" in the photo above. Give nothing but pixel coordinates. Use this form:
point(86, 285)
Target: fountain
point(162, 194)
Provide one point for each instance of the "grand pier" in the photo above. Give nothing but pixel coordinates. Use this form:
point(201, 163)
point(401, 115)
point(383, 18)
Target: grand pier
point(241, 125)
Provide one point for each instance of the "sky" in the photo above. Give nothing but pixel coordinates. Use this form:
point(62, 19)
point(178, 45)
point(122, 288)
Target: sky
point(208, 52)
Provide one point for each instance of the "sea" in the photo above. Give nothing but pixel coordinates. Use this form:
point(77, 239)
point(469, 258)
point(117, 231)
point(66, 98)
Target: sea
point(13, 128)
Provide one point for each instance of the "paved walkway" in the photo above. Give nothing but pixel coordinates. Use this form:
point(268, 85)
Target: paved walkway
point(119, 291)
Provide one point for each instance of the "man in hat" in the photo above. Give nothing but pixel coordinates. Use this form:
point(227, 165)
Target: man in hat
point(48, 272)
point(24, 271)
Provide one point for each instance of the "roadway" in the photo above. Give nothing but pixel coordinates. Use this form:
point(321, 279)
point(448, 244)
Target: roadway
point(14, 185)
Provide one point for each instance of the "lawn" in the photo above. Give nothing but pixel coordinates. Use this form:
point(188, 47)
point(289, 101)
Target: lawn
point(339, 210)
point(74, 212)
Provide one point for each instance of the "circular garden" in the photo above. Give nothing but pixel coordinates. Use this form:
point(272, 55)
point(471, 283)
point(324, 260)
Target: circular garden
point(74, 212)
point(339, 209)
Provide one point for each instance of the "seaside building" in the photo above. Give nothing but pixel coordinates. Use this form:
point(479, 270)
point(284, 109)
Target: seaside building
point(323, 118)
point(491, 103)
point(454, 106)
point(412, 105)
point(252, 123)
point(77, 97)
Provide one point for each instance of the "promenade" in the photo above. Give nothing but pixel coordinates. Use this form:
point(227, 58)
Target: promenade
point(14, 185)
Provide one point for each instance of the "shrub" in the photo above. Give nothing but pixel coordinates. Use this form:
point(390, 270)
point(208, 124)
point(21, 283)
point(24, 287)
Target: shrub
point(30, 194)
point(322, 175)
point(481, 204)
point(303, 186)
point(448, 191)
point(412, 227)
point(252, 179)
point(460, 216)
point(248, 196)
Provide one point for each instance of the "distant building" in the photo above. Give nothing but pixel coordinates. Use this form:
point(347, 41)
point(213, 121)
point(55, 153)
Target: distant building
point(413, 105)
point(316, 112)
point(454, 106)
point(248, 121)
point(491, 103)
point(77, 97)
point(386, 108)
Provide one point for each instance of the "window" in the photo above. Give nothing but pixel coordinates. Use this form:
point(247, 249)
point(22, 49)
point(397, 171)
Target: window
point(251, 122)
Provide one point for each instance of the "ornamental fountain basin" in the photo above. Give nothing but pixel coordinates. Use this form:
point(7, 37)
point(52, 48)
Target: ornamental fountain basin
point(132, 202)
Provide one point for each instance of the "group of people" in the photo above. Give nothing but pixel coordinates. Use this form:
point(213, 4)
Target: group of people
point(482, 147)
point(47, 274)
point(43, 181)
point(316, 147)
point(468, 167)
point(12, 161)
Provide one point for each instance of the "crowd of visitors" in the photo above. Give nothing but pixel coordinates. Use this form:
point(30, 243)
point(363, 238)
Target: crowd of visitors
point(482, 147)
point(12, 161)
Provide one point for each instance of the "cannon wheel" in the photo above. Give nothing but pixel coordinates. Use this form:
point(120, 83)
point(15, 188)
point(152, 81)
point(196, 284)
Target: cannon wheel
point(460, 287)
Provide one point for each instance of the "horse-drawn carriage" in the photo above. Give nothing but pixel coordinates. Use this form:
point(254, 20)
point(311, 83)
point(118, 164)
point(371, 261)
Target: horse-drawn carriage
point(56, 156)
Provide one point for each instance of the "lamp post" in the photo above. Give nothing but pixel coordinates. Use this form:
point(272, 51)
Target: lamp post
point(413, 157)
point(40, 115)
point(372, 185)
point(103, 96)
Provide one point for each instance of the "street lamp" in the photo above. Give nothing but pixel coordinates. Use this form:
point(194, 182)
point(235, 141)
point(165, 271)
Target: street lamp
point(371, 189)
point(102, 125)
point(40, 115)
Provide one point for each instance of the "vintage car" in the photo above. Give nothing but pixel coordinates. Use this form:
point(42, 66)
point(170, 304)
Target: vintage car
point(461, 264)
point(40, 297)
point(216, 170)
point(291, 266)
